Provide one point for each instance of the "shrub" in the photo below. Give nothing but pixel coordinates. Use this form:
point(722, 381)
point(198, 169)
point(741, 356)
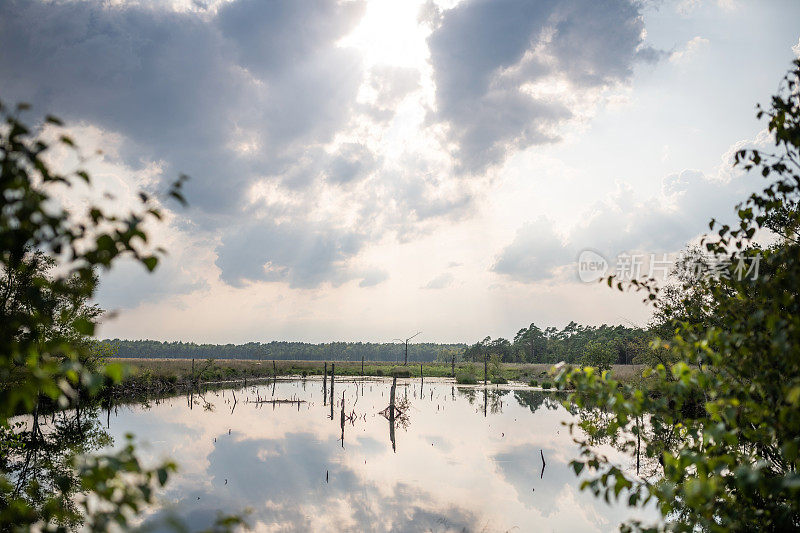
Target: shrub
point(401, 372)
point(534, 383)
point(464, 378)
point(546, 385)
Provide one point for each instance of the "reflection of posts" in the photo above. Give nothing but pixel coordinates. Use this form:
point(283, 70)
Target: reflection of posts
point(342, 420)
point(391, 413)
point(485, 401)
point(541, 476)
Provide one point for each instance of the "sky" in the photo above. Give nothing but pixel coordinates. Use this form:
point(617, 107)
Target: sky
point(362, 170)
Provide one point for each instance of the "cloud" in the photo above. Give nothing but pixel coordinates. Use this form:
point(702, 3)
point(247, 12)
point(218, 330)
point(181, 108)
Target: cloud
point(488, 58)
point(130, 284)
point(352, 162)
point(230, 96)
point(624, 223)
point(373, 277)
point(282, 128)
point(442, 281)
point(259, 103)
point(689, 50)
point(533, 253)
point(301, 254)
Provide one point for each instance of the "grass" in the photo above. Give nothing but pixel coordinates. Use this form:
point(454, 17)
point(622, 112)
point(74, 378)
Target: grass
point(170, 374)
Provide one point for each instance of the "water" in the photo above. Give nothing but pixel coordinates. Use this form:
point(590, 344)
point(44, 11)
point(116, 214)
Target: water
point(459, 459)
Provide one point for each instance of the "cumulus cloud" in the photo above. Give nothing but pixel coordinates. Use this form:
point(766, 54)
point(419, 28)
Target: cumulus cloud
point(373, 277)
point(488, 58)
point(279, 125)
point(442, 281)
point(624, 223)
point(533, 254)
point(188, 88)
point(352, 162)
point(689, 50)
point(303, 255)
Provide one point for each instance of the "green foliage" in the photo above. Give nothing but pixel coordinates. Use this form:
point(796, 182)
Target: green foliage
point(284, 350)
point(599, 355)
point(533, 345)
point(467, 375)
point(719, 428)
point(495, 366)
point(48, 258)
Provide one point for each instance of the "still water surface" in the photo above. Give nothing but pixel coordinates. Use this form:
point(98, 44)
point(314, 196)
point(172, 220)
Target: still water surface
point(459, 459)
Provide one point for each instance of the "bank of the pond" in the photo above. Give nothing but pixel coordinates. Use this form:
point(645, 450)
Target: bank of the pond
point(164, 375)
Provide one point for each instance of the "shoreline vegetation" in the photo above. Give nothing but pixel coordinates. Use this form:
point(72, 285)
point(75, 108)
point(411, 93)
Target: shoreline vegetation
point(154, 376)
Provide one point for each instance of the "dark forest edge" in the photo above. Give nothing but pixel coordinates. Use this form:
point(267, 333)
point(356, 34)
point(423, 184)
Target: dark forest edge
point(597, 345)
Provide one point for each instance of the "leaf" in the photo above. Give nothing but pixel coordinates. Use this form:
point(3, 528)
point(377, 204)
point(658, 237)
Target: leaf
point(150, 262)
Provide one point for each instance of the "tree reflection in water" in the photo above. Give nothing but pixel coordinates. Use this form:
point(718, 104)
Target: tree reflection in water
point(39, 457)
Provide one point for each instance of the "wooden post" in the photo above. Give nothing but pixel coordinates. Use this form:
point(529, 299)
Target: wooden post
point(333, 374)
point(453, 366)
point(421, 377)
point(391, 396)
point(485, 368)
point(362, 366)
point(274, 370)
point(406, 360)
point(325, 379)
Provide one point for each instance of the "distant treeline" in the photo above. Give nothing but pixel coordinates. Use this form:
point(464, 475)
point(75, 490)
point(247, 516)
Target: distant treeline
point(280, 350)
point(596, 345)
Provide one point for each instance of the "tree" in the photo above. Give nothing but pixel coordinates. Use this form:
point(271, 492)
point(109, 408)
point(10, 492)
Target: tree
point(600, 355)
point(723, 419)
point(45, 322)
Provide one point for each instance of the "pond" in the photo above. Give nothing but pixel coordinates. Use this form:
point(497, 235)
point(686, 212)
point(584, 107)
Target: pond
point(458, 458)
